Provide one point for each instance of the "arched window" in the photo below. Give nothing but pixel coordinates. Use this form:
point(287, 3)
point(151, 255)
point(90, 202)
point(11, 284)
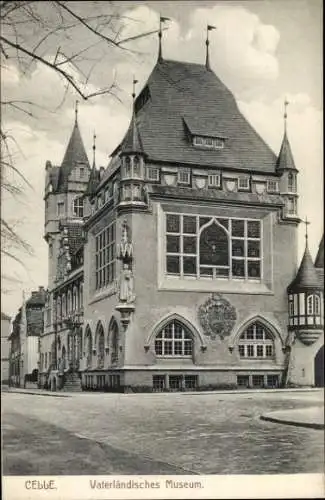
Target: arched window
point(100, 345)
point(114, 334)
point(214, 250)
point(58, 308)
point(136, 166)
point(88, 347)
point(74, 298)
point(291, 182)
point(81, 297)
point(313, 305)
point(127, 167)
point(69, 301)
point(174, 340)
point(64, 306)
point(256, 342)
point(78, 207)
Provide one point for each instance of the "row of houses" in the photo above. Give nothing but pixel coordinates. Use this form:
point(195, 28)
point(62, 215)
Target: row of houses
point(175, 267)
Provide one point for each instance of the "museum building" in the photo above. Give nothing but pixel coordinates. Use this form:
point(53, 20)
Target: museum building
point(175, 268)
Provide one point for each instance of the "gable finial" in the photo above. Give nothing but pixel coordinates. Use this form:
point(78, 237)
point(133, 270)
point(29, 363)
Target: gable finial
point(306, 222)
point(161, 21)
point(76, 111)
point(285, 115)
point(133, 88)
point(207, 43)
point(94, 149)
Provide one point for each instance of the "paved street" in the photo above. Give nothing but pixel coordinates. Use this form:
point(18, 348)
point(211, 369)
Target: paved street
point(158, 434)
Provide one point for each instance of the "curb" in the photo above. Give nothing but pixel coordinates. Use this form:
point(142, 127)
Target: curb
point(37, 393)
point(309, 425)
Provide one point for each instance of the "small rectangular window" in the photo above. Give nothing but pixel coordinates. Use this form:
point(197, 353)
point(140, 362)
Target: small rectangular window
point(243, 380)
point(272, 186)
point(60, 208)
point(258, 380)
point(158, 382)
point(153, 174)
point(214, 180)
point(82, 172)
point(184, 176)
point(243, 183)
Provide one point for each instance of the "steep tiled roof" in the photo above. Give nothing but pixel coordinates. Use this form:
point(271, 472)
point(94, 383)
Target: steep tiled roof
point(182, 97)
point(285, 159)
point(75, 236)
point(75, 155)
point(37, 298)
point(93, 181)
point(132, 142)
point(319, 261)
point(307, 277)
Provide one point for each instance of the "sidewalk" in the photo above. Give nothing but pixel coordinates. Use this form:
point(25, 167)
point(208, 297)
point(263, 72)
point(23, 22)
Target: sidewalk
point(312, 418)
point(60, 394)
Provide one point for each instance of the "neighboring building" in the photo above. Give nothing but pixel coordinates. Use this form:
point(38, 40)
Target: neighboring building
point(26, 330)
point(5, 331)
point(169, 270)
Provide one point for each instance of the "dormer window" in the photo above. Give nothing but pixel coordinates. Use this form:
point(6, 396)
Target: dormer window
point(209, 142)
point(183, 176)
point(243, 183)
point(214, 180)
point(272, 186)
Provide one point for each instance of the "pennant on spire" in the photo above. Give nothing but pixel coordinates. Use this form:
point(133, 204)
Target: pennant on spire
point(161, 21)
point(207, 42)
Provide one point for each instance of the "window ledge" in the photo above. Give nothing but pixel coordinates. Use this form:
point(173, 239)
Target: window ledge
point(222, 285)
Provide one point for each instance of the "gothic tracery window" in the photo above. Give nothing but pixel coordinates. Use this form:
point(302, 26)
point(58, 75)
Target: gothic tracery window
point(88, 347)
point(213, 247)
point(174, 339)
point(100, 346)
point(256, 342)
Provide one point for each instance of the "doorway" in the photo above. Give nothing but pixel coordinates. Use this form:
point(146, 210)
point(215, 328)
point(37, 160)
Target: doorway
point(319, 368)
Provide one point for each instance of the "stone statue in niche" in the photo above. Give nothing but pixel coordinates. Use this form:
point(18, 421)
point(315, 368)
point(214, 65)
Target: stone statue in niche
point(126, 285)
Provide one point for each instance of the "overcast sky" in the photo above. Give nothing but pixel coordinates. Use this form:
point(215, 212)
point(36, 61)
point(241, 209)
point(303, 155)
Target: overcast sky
point(262, 50)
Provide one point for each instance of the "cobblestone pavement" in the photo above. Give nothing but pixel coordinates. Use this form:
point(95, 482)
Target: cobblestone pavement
point(204, 433)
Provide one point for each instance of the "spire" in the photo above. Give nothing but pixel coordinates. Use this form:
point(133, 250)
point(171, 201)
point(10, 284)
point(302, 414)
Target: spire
point(161, 21)
point(319, 261)
point(94, 150)
point(285, 159)
point(306, 278)
point(75, 154)
point(132, 142)
point(76, 111)
point(207, 43)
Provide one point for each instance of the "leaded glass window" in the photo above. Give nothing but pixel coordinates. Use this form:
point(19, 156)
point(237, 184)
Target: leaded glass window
point(213, 247)
point(174, 340)
point(256, 342)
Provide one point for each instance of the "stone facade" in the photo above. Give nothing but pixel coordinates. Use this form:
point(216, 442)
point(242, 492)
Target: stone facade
point(174, 274)
point(5, 347)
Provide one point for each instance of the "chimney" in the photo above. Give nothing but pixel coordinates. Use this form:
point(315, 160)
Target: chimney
point(48, 165)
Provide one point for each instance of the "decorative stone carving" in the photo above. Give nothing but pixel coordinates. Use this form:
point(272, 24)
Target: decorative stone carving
point(230, 185)
point(260, 188)
point(200, 182)
point(217, 316)
point(125, 285)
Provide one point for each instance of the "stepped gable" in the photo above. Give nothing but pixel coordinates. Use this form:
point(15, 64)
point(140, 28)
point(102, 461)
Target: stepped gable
point(75, 155)
point(183, 99)
point(307, 277)
point(285, 159)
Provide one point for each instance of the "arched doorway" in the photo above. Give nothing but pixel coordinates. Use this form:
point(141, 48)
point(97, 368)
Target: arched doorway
point(319, 368)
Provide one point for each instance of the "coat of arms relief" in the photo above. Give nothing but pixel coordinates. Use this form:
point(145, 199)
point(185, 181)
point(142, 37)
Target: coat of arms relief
point(217, 316)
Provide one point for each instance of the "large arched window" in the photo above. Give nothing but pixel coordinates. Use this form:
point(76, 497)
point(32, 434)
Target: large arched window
point(88, 347)
point(78, 207)
point(313, 305)
point(213, 247)
point(100, 345)
point(174, 340)
point(256, 342)
point(214, 251)
point(114, 335)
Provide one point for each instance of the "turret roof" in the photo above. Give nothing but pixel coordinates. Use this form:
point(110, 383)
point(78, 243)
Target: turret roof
point(75, 154)
point(285, 159)
point(132, 141)
point(319, 261)
point(307, 277)
point(181, 100)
